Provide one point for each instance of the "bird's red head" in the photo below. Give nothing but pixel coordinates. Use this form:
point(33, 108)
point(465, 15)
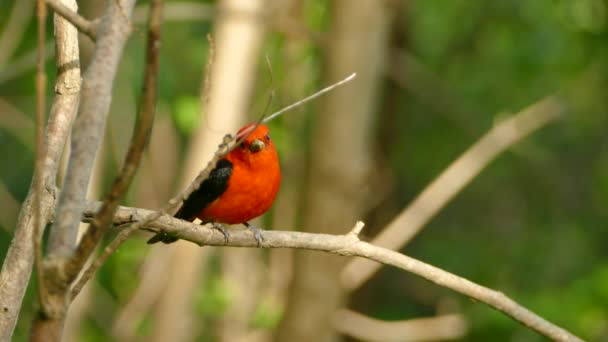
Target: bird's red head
point(255, 145)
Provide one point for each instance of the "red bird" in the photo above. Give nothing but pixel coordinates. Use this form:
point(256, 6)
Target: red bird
point(241, 187)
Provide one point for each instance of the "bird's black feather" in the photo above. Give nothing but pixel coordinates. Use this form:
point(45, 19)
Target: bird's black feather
point(211, 188)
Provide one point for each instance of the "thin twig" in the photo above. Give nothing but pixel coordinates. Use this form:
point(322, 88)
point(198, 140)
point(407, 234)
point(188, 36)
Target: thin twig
point(311, 97)
point(346, 245)
point(40, 109)
point(274, 115)
point(222, 151)
point(139, 140)
point(451, 181)
point(85, 26)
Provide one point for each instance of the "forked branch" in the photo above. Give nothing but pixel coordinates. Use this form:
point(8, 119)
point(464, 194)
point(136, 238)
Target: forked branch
point(346, 245)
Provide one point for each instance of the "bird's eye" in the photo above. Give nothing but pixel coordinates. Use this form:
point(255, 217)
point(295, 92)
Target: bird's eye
point(267, 137)
point(256, 146)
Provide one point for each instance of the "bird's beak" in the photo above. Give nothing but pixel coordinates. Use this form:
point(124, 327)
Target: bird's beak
point(256, 146)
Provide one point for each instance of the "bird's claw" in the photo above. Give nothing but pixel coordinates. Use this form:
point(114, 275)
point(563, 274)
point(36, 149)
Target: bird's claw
point(257, 233)
point(163, 237)
point(222, 230)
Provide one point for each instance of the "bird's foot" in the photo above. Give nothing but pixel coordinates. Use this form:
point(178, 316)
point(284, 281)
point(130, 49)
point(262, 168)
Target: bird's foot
point(257, 233)
point(224, 231)
point(163, 237)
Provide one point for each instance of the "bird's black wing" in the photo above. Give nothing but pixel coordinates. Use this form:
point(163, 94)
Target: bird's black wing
point(211, 188)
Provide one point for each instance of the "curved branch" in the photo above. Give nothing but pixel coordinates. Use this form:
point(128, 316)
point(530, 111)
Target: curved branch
point(346, 245)
point(85, 26)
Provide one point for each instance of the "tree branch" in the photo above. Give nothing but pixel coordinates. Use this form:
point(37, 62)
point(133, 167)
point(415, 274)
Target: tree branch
point(85, 26)
point(88, 130)
point(451, 181)
point(40, 110)
point(346, 245)
point(139, 140)
point(223, 149)
point(90, 124)
point(17, 265)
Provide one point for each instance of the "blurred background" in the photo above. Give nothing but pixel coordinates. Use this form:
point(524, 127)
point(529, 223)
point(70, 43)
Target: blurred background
point(433, 77)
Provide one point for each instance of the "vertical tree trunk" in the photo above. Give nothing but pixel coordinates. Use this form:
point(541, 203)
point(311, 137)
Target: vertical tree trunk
point(238, 39)
point(340, 164)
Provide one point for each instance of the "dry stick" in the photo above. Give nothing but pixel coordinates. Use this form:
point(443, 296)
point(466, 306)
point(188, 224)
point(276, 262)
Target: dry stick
point(59, 268)
point(311, 97)
point(451, 181)
point(346, 245)
point(40, 108)
point(223, 149)
point(17, 265)
point(89, 126)
point(139, 140)
point(85, 26)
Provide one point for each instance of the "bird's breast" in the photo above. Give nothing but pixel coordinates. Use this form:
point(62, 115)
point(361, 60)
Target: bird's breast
point(251, 191)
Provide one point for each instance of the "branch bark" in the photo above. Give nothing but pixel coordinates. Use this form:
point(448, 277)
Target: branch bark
point(40, 110)
point(139, 140)
point(17, 265)
point(85, 26)
point(345, 245)
point(88, 130)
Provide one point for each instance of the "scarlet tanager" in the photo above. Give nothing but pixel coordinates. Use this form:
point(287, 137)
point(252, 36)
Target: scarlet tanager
point(241, 187)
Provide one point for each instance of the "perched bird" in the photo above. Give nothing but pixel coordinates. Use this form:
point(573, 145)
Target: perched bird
point(241, 187)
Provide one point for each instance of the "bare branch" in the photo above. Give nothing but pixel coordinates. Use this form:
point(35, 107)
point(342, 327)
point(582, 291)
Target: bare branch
point(346, 245)
point(139, 140)
point(40, 111)
point(90, 124)
point(311, 97)
point(361, 327)
point(87, 133)
point(17, 265)
point(222, 150)
point(357, 229)
point(85, 26)
point(451, 181)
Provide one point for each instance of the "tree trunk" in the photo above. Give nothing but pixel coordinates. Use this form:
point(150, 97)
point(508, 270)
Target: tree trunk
point(238, 39)
point(340, 164)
